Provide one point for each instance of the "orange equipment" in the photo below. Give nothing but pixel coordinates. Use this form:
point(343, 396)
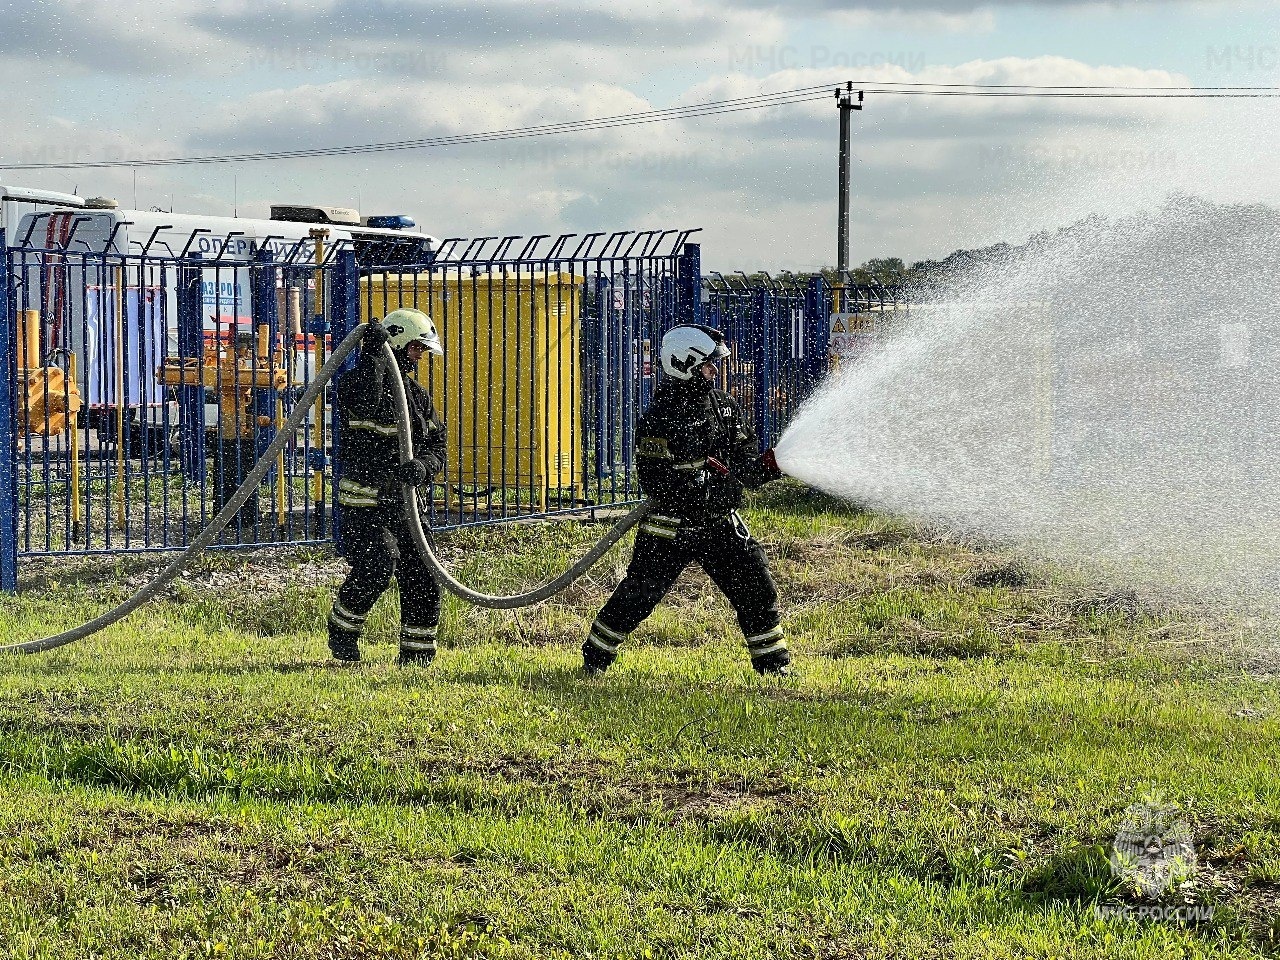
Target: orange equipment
point(52, 400)
point(234, 378)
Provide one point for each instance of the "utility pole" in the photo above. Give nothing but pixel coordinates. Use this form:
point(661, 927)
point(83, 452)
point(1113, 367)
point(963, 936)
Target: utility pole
point(846, 104)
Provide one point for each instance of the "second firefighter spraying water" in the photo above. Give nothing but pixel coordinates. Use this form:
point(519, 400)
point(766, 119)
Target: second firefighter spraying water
point(374, 537)
point(696, 453)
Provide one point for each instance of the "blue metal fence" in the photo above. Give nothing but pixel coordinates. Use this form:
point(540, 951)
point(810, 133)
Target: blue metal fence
point(779, 330)
point(140, 390)
point(137, 389)
point(550, 346)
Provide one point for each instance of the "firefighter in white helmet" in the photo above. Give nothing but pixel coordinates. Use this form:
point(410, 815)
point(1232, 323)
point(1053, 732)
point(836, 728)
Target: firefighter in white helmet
point(373, 535)
point(695, 453)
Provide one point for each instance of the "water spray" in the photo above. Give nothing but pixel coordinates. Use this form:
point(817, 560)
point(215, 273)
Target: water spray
point(268, 460)
point(1106, 398)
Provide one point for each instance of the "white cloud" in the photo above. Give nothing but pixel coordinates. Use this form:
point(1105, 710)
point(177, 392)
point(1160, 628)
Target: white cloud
point(961, 8)
point(492, 39)
point(930, 174)
point(977, 20)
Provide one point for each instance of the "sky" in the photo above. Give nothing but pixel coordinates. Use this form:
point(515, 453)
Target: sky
point(88, 80)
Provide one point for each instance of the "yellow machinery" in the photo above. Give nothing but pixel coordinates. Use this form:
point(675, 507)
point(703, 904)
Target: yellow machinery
point(51, 401)
point(233, 377)
point(509, 383)
point(51, 398)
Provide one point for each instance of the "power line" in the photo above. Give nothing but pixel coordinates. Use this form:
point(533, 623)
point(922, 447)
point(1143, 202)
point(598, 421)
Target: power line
point(1048, 87)
point(692, 111)
point(735, 105)
point(1175, 94)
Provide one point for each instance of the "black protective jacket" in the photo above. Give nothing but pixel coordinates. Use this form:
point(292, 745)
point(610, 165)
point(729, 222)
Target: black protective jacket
point(687, 423)
point(368, 437)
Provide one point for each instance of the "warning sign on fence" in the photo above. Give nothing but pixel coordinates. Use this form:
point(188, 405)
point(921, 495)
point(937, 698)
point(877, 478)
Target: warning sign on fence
point(852, 334)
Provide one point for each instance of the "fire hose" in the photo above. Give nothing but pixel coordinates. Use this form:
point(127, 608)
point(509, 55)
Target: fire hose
point(264, 465)
point(423, 541)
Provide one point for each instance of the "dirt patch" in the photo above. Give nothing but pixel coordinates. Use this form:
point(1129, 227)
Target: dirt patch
point(618, 793)
point(1013, 575)
point(875, 539)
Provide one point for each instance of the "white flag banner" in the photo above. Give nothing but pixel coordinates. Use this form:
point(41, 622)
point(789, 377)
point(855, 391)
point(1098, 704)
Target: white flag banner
point(141, 336)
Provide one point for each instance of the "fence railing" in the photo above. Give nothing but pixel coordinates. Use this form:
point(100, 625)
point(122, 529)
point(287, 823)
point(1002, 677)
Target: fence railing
point(550, 346)
point(142, 389)
point(781, 334)
point(139, 388)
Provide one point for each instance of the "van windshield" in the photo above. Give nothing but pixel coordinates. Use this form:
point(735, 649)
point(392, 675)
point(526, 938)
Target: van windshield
point(13, 210)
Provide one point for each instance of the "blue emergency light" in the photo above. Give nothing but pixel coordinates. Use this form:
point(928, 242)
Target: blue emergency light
point(397, 222)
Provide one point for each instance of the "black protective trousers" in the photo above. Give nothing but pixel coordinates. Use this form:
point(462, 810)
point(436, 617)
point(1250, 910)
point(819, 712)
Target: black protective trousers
point(377, 543)
point(731, 557)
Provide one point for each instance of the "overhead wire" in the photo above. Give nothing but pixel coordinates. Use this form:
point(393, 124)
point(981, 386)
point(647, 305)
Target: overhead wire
point(1049, 87)
point(760, 101)
point(733, 105)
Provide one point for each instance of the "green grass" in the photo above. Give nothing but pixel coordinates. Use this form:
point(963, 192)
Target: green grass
point(944, 778)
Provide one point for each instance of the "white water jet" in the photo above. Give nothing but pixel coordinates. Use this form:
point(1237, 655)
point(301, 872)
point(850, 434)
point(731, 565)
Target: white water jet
point(1108, 396)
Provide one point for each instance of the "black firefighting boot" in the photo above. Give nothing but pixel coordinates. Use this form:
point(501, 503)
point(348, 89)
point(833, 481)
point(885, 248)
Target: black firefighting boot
point(600, 649)
point(344, 633)
point(769, 653)
point(343, 644)
point(417, 646)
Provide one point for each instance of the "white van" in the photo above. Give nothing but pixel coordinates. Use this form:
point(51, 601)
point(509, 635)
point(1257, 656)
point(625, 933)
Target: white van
point(76, 293)
point(17, 202)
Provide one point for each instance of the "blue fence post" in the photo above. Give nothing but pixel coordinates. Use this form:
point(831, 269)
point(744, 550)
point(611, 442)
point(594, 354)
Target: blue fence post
point(344, 300)
point(763, 387)
point(629, 343)
point(265, 313)
point(344, 316)
point(600, 357)
point(817, 332)
point(191, 421)
point(688, 285)
point(8, 432)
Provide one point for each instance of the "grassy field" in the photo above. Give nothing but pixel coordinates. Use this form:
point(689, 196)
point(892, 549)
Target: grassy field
point(944, 777)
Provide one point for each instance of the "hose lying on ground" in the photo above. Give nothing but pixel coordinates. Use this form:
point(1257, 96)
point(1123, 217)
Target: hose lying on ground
point(264, 465)
point(423, 541)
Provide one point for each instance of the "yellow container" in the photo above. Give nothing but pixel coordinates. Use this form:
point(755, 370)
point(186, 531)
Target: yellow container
point(509, 384)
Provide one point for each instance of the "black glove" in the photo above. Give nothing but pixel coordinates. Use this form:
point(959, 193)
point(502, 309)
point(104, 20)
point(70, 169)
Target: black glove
point(413, 472)
point(769, 464)
point(725, 494)
point(375, 335)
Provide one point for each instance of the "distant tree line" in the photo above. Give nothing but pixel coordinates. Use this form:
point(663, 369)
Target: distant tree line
point(925, 279)
point(928, 279)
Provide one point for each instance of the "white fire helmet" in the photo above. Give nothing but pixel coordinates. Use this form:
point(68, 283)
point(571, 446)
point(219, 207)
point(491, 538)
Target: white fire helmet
point(687, 347)
point(406, 326)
